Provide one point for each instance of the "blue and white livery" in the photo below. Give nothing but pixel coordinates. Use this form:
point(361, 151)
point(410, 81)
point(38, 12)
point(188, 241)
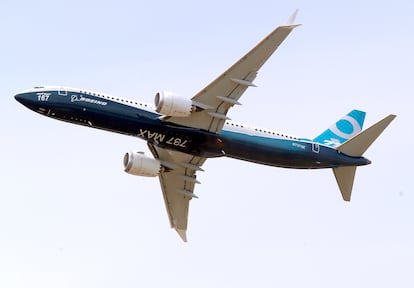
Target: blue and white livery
point(343, 130)
point(182, 133)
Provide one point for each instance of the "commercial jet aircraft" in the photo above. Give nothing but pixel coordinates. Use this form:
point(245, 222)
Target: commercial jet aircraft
point(182, 133)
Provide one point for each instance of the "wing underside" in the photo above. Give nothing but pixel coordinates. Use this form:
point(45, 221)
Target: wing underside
point(224, 92)
point(179, 176)
point(177, 184)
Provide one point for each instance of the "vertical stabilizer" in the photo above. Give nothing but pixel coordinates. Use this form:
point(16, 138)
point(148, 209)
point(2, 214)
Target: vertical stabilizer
point(345, 178)
point(344, 129)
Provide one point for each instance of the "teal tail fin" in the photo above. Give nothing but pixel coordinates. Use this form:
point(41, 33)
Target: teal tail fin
point(344, 129)
point(356, 146)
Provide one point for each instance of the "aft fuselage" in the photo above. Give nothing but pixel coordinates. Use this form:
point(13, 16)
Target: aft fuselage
point(140, 120)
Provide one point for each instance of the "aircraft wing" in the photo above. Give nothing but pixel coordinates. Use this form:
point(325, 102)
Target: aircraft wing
point(224, 92)
point(177, 184)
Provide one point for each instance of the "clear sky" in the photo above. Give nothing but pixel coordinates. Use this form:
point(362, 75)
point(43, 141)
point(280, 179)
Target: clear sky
point(70, 216)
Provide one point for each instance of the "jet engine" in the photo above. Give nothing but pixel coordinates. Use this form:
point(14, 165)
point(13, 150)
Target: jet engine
point(136, 163)
point(171, 104)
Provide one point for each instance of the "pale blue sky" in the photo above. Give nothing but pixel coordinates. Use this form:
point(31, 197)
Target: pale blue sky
point(70, 216)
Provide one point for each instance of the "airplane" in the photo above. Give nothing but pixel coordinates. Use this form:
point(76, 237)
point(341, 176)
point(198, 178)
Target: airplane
point(182, 133)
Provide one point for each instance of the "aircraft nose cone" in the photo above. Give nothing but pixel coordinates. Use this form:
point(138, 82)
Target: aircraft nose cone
point(23, 99)
point(26, 99)
point(19, 98)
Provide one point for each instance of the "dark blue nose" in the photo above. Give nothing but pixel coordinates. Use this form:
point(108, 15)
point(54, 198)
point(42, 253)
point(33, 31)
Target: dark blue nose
point(19, 98)
point(27, 99)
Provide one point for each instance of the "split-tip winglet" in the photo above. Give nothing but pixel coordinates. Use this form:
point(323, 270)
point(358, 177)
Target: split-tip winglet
point(292, 18)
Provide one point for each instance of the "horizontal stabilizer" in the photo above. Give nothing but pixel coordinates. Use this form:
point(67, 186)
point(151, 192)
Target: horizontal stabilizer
point(345, 178)
point(357, 145)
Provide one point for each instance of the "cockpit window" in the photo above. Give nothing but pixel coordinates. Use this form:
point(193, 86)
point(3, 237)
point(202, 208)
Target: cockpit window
point(63, 92)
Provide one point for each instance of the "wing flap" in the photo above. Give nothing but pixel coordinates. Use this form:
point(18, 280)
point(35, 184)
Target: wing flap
point(177, 185)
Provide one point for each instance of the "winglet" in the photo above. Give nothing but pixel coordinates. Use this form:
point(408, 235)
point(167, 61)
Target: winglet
point(292, 18)
point(182, 234)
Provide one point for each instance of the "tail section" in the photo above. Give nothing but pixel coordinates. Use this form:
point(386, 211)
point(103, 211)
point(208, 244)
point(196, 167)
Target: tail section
point(356, 146)
point(361, 142)
point(345, 178)
point(344, 129)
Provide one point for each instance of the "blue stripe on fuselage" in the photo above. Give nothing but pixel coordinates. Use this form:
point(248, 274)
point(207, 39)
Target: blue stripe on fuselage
point(270, 151)
point(126, 118)
point(287, 153)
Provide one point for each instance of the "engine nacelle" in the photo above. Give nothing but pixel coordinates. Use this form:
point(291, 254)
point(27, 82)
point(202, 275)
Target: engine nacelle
point(140, 165)
point(171, 104)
